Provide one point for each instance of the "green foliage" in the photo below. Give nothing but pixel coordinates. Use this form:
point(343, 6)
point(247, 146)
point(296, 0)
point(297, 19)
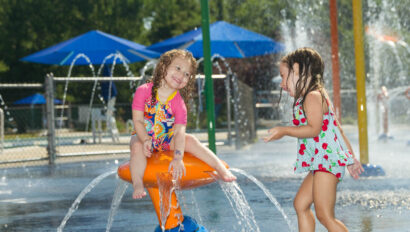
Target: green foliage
point(27, 26)
point(3, 67)
point(169, 18)
point(262, 16)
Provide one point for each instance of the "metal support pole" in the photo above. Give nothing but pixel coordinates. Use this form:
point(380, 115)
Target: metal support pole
point(209, 88)
point(360, 80)
point(335, 58)
point(51, 136)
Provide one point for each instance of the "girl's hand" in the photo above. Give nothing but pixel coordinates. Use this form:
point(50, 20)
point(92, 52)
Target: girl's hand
point(274, 134)
point(147, 147)
point(177, 168)
point(355, 169)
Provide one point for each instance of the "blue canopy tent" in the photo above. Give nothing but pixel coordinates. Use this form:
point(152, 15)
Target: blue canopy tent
point(35, 99)
point(96, 45)
point(227, 40)
point(37, 118)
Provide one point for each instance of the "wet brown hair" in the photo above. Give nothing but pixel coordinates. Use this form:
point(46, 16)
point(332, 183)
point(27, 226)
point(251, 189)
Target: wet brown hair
point(311, 68)
point(161, 71)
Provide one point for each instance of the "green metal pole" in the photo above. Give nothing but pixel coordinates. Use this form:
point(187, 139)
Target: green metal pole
point(209, 87)
point(360, 80)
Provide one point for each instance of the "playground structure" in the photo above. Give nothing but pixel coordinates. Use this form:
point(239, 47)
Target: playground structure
point(161, 187)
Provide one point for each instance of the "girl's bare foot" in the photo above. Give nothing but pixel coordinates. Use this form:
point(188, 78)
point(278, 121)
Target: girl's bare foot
point(138, 190)
point(226, 175)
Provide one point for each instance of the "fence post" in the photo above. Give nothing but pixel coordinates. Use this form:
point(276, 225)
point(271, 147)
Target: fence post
point(51, 136)
point(238, 142)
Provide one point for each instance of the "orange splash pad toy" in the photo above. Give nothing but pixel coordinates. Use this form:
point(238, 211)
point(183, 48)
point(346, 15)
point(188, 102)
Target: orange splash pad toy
point(197, 174)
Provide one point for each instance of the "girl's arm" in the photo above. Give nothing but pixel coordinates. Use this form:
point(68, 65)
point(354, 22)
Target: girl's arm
point(177, 165)
point(139, 127)
point(179, 136)
point(314, 115)
point(347, 142)
point(356, 168)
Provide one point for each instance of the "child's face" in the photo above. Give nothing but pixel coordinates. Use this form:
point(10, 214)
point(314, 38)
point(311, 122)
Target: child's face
point(289, 77)
point(178, 73)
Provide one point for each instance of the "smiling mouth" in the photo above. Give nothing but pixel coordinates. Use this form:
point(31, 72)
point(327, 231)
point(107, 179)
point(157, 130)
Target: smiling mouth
point(177, 81)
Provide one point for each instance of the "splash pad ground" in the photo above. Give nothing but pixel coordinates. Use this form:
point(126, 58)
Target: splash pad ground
point(37, 198)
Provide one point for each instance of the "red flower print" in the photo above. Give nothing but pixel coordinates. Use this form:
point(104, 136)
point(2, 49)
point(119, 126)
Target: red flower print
point(297, 103)
point(316, 151)
point(335, 123)
point(316, 139)
point(338, 175)
point(324, 146)
point(303, 120)
point(312, 159)
point(326, 157)
point(321, 167)
point(335, 137)
point(294, 169)
point(326, 122)
point(304, 164)
point(301, 152)
point(295, 122)
point(300, 112)
point(302, 146)
point(324, 128)
point(340, 163)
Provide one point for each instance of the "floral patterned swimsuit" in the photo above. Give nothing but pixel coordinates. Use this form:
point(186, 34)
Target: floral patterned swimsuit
point(326, 152)
point(160, 117)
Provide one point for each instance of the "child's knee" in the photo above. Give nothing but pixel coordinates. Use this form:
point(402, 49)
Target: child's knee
point(190, 139)
point(322, 215)
point(300, 205)
point(297, 205)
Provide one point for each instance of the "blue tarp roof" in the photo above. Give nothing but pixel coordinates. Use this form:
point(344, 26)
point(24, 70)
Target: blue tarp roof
point(227, 40)
point(96, 45)
point(35, 99)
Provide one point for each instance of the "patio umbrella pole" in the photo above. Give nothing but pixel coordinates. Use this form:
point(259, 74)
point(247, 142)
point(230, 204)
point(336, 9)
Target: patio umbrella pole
point(209, 88)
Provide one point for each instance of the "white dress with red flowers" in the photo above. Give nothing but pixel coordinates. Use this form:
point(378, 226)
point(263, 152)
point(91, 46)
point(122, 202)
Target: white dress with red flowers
point(325, 152)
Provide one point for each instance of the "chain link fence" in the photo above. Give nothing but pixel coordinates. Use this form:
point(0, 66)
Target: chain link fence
point(51, 132)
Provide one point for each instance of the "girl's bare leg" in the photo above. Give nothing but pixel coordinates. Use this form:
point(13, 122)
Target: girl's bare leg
point(193, 146)
point(324, 196)
point(138, 163)
point(302, 203)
